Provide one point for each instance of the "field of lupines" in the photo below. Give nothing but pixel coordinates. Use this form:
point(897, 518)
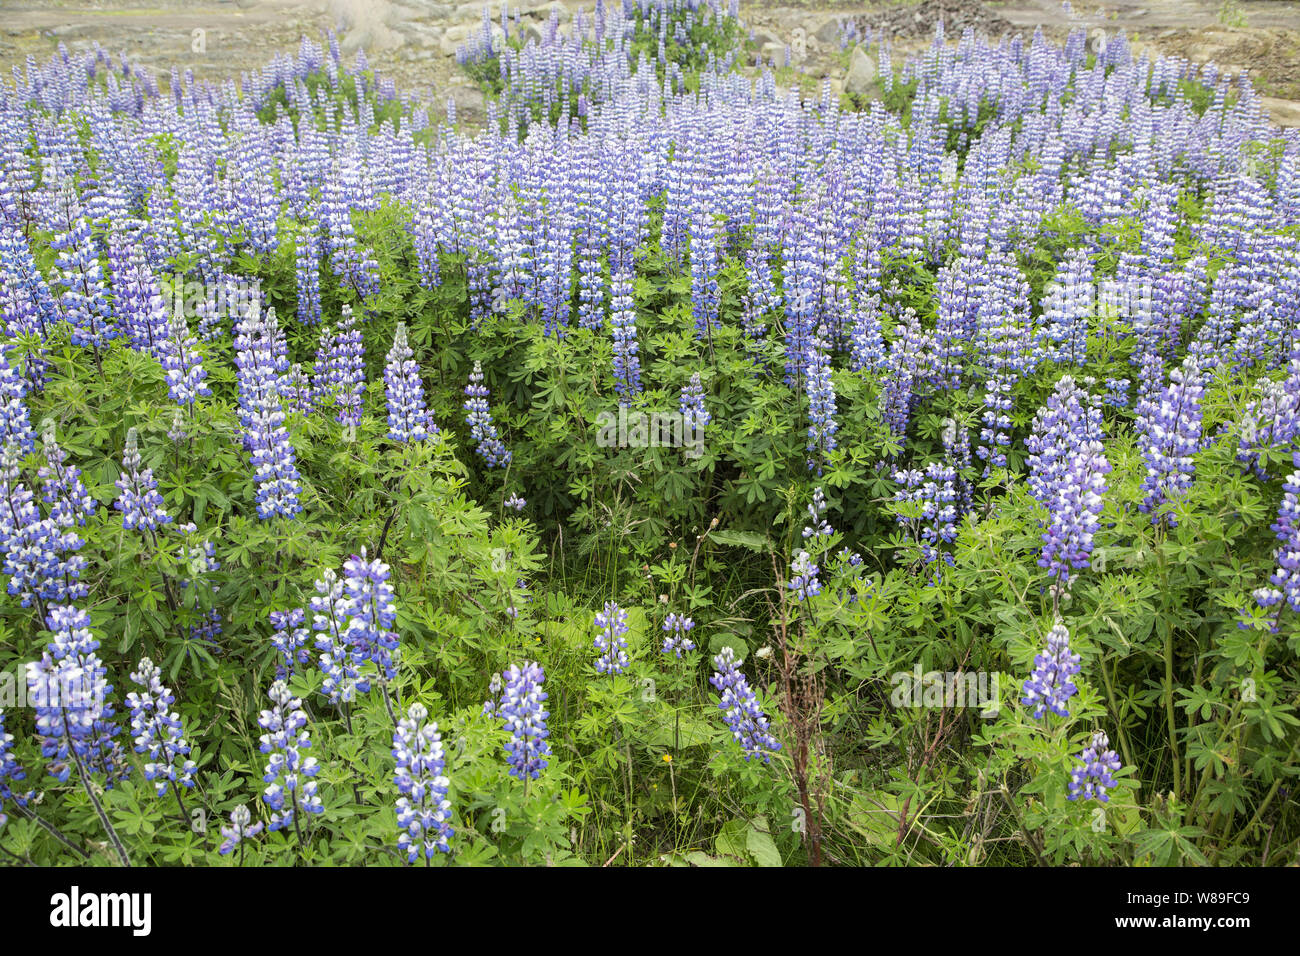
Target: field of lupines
point(682, 470)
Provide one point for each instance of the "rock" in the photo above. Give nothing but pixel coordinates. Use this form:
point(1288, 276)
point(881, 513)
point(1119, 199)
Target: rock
point(829, 31)
point(69, 30)
point(774, 51)
point(1282, 112)
point(862, 78)
point(468, 98)
point(543, 12)
point(763, 36)
point(355, 40)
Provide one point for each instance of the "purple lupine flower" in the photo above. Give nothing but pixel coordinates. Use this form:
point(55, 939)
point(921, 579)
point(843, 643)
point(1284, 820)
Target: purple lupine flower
point(803, 580)
point(695, 415)
point(611, 625)
point(340, 369)
point(741, 710)
point(27, 308)
point(1093, 779)
point(482, 430)
point(1049, 686)
point(11, 772)
point(407, 418)
point(1273, 420)
point(61, 485)
point(1068, 477)
point(820, 527)
point(520, 710)
point(935, 490)
point(1116, 394)
point(289, 772)
point(677, 628)
point(371, 612)
point(821, 402)
point(340, 660)
point(1286, 578)
point(308, 278)
point(84, 299)
point(39, 554)
point(69, 689)
point(15, 420)
point(423, 810)
point(138, 499)
point(181, 362)
point(515, 502)
point(258, 361)
point(1066, 307)
point(241, 828)
point(139, 310)
point(290, 639)
point(157, 731)
point(1169, 433)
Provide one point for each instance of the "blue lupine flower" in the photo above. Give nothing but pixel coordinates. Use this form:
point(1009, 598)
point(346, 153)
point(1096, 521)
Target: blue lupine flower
point(821, 402)
point(739, 704)
point(340, 660)
point(515, 502)
point(68, 687)
point(157, 731)
point(307, 274)
point(482, 430)
point(181, 363)
point(138, 499)
point(340, 373)
point(803, 580)
point(11, 772)
point(1169, 433)
point(423, 810)
point(61, 486)
point(611, 625)
point(1286, 578)
point(820, 527)
point(1068, 477)
point(241, 828)
point(1093, 779)
point(288, 771)
point(691, 404)
point(290, 639)
point(935, 490)
point(371, 612)
point(677, 627)
point(520, 709)
point(1049, 686)
point(260, 363)
point(15, 420)
point(39, 555)
point(407, 418)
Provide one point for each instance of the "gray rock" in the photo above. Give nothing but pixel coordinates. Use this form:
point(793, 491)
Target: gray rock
point(863, 79)
point(774, 51)
point(543, 12)
point(469, 98)
point(829, 31)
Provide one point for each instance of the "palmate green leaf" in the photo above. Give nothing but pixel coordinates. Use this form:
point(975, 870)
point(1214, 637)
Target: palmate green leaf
point(741, 539)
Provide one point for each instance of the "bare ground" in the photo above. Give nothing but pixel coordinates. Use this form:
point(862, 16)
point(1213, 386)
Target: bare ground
point(414, 41)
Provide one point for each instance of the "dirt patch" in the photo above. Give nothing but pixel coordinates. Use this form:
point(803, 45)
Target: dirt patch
point(917, 20)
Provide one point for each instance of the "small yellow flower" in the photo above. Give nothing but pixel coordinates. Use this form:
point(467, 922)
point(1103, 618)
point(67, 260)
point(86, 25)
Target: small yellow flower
point(668, 758)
